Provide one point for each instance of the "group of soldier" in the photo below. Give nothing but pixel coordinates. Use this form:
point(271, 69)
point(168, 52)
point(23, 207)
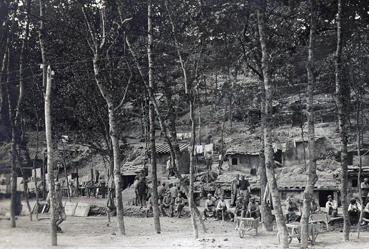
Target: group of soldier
point(240, 205)
point(171, 200)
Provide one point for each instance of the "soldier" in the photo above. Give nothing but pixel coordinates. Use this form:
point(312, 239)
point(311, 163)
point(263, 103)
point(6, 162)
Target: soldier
point(234, 189)
point(167, 204)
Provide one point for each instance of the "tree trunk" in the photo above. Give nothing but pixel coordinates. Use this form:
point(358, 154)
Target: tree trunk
point(164, 130)
point(311, 167)
point(34, 166)
point(41, 35)
point(199, 101)
point(117, 175)
point(342, 122)
point(268, 149)
point(192, 153)
point(265, 208)
point(50, 156)
point(65, 173)
point(4, 108)
point(113, 130)
point(358, 144)
point(152, 124)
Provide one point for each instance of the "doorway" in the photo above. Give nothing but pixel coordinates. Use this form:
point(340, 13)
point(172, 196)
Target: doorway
point(323, 197)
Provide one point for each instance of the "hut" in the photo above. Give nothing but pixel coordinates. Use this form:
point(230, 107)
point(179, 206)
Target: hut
point(163, 154)
point(244, 157)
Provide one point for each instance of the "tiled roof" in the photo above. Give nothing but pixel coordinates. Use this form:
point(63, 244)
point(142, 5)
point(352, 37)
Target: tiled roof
point(163, 148)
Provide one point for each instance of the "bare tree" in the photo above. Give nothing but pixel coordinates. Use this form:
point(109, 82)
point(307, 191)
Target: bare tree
point(342, 102)
point(152, 121)
point(311, 167)
point(50, 156)
point(268, 148)
point(100, 43)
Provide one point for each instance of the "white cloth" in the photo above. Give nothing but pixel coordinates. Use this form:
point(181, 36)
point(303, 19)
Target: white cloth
point(332, 204)
point(354, 206)
point(208, 148)
point(199, 149)
point(222, 204)
point(169, 165)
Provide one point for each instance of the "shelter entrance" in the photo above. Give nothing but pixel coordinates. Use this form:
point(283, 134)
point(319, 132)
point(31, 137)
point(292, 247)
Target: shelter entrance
point(323, 197)
point(128, 180)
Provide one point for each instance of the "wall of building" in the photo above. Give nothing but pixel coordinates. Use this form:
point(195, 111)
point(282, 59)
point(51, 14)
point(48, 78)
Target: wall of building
point(297, 152)
point(244, 163)
point(183, 163)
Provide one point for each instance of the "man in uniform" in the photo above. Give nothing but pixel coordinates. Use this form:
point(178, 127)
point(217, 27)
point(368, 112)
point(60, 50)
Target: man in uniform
point(59, 209)
point(234, 189)
point(167, 204)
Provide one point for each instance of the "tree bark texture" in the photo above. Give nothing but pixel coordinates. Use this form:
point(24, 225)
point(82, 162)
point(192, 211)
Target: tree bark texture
point(156, 211)
point(265, 208)
point(268, 149)
point(342, 122)
point(113, 130)
point(50, 156)
point(164, 130)
point(311, 167)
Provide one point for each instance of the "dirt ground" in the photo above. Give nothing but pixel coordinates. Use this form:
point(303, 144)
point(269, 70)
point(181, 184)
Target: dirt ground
point(93, 232)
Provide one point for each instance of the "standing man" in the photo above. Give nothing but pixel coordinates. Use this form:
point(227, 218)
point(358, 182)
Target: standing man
point(173, 192)
point(234, 188)
point(169, 167)
point(142, 191)
point(135, 185)
point(365, 190)
point(161, 191)
point(59, 209)
point(244, 187)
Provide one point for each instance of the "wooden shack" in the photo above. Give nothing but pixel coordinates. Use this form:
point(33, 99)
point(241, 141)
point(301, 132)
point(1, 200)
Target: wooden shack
point(163, 154)
point(244, 157)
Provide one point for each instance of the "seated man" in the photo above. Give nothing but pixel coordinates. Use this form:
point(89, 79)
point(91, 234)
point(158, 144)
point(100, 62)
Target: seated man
point(331, 207)
point(253, 209)
point(167, 204)
point(209, 207)
point(292, 209)
point(239, 209)
point(354, 211)
point(222, 207)
point(179, 204)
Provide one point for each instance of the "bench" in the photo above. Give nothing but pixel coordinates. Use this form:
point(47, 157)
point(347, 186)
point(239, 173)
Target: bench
point(324, 218)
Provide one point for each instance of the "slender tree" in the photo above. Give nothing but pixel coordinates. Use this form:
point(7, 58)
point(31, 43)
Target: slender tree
point(100, 42)
point(311, 167)
point(152, 120)
point(342, 103)
point(50, 156)
point(268, 148)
